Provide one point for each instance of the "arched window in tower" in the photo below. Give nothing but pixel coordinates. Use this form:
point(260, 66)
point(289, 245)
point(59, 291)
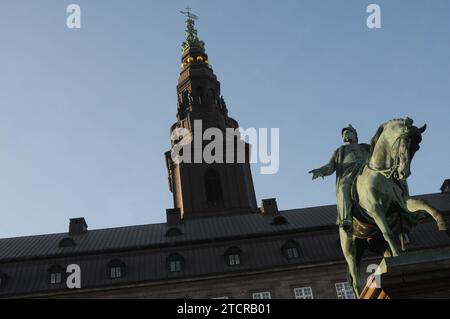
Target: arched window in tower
point(211, 98)
point(200, 95)
point(213, 185)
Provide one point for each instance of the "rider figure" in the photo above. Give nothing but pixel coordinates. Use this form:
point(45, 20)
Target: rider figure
point(346, 162)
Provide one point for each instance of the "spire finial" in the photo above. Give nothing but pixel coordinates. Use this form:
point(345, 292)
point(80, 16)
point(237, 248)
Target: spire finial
point(192, 40)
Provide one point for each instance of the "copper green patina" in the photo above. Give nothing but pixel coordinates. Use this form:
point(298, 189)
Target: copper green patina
point(373, 202)
point(192, 40)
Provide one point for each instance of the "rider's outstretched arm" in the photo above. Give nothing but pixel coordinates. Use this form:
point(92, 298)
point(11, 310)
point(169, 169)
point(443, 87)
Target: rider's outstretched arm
point(327, 169)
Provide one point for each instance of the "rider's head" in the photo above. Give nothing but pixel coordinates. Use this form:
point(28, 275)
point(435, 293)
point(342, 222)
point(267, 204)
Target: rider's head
point(349, 134)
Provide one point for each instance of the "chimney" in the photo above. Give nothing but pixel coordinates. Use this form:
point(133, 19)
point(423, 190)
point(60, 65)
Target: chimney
point(445, 188)
point(269, 207)
point(173, 216)
point(77, 226)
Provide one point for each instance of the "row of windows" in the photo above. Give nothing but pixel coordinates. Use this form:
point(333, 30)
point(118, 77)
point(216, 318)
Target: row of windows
point(234, 256)
point(174, 263)
point(343, 291)
point(117, 270)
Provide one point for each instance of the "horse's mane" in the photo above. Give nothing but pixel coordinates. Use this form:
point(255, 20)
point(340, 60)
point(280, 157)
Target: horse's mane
point(380, 130)
point(375, 138)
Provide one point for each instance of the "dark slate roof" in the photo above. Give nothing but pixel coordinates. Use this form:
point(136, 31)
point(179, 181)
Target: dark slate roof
point(195, 230)
point(147, 266)
point(26, 260)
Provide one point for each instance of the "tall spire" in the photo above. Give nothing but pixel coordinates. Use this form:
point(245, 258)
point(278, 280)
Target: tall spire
point(192, 40)
point(202, 188)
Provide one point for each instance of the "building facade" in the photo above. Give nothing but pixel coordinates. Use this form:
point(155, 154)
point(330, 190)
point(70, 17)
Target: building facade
point(216, 242)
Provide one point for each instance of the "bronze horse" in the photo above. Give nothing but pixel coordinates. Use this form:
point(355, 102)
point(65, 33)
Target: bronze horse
point(381, 198)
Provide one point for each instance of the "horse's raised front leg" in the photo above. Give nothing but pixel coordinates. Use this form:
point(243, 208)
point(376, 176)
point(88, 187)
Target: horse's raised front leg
point(414, 205)
point(380, 219)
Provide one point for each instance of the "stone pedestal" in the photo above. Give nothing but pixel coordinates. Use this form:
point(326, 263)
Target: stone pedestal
point(415, 275)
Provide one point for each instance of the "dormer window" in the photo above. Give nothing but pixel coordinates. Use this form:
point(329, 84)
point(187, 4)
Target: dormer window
point(279, 220)
point(56, 274)
point(291, 249)
point(233, 256)
point(67, 242)
point(172, 232)
point(175, 263)
point(116, 269)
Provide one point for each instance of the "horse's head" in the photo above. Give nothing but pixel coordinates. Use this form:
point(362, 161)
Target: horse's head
point(402, 141)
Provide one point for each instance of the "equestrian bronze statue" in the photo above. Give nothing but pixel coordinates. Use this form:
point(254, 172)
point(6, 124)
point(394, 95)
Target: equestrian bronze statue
point(373, 202)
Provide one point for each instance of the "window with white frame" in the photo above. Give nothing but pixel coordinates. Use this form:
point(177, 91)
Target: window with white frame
point(55, 278)
point(292, 252)
point(262, 295)
point(344, 291)
point(175, 262)
point(233, 256)
point(303, 293)
point(55, 274)
point(115, 272)
point(234, 260)
point(116, 269)
point(175, 266)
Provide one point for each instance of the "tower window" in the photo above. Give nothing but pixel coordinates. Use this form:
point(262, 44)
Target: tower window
point(175, 263)
point(116, 269)
point(56, 273)
point(200, 95)
point(213, 185)
point(211, 98)
point(233, 256)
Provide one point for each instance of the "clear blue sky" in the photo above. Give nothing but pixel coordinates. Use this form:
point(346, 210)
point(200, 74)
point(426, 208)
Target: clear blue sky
point(85, 114)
